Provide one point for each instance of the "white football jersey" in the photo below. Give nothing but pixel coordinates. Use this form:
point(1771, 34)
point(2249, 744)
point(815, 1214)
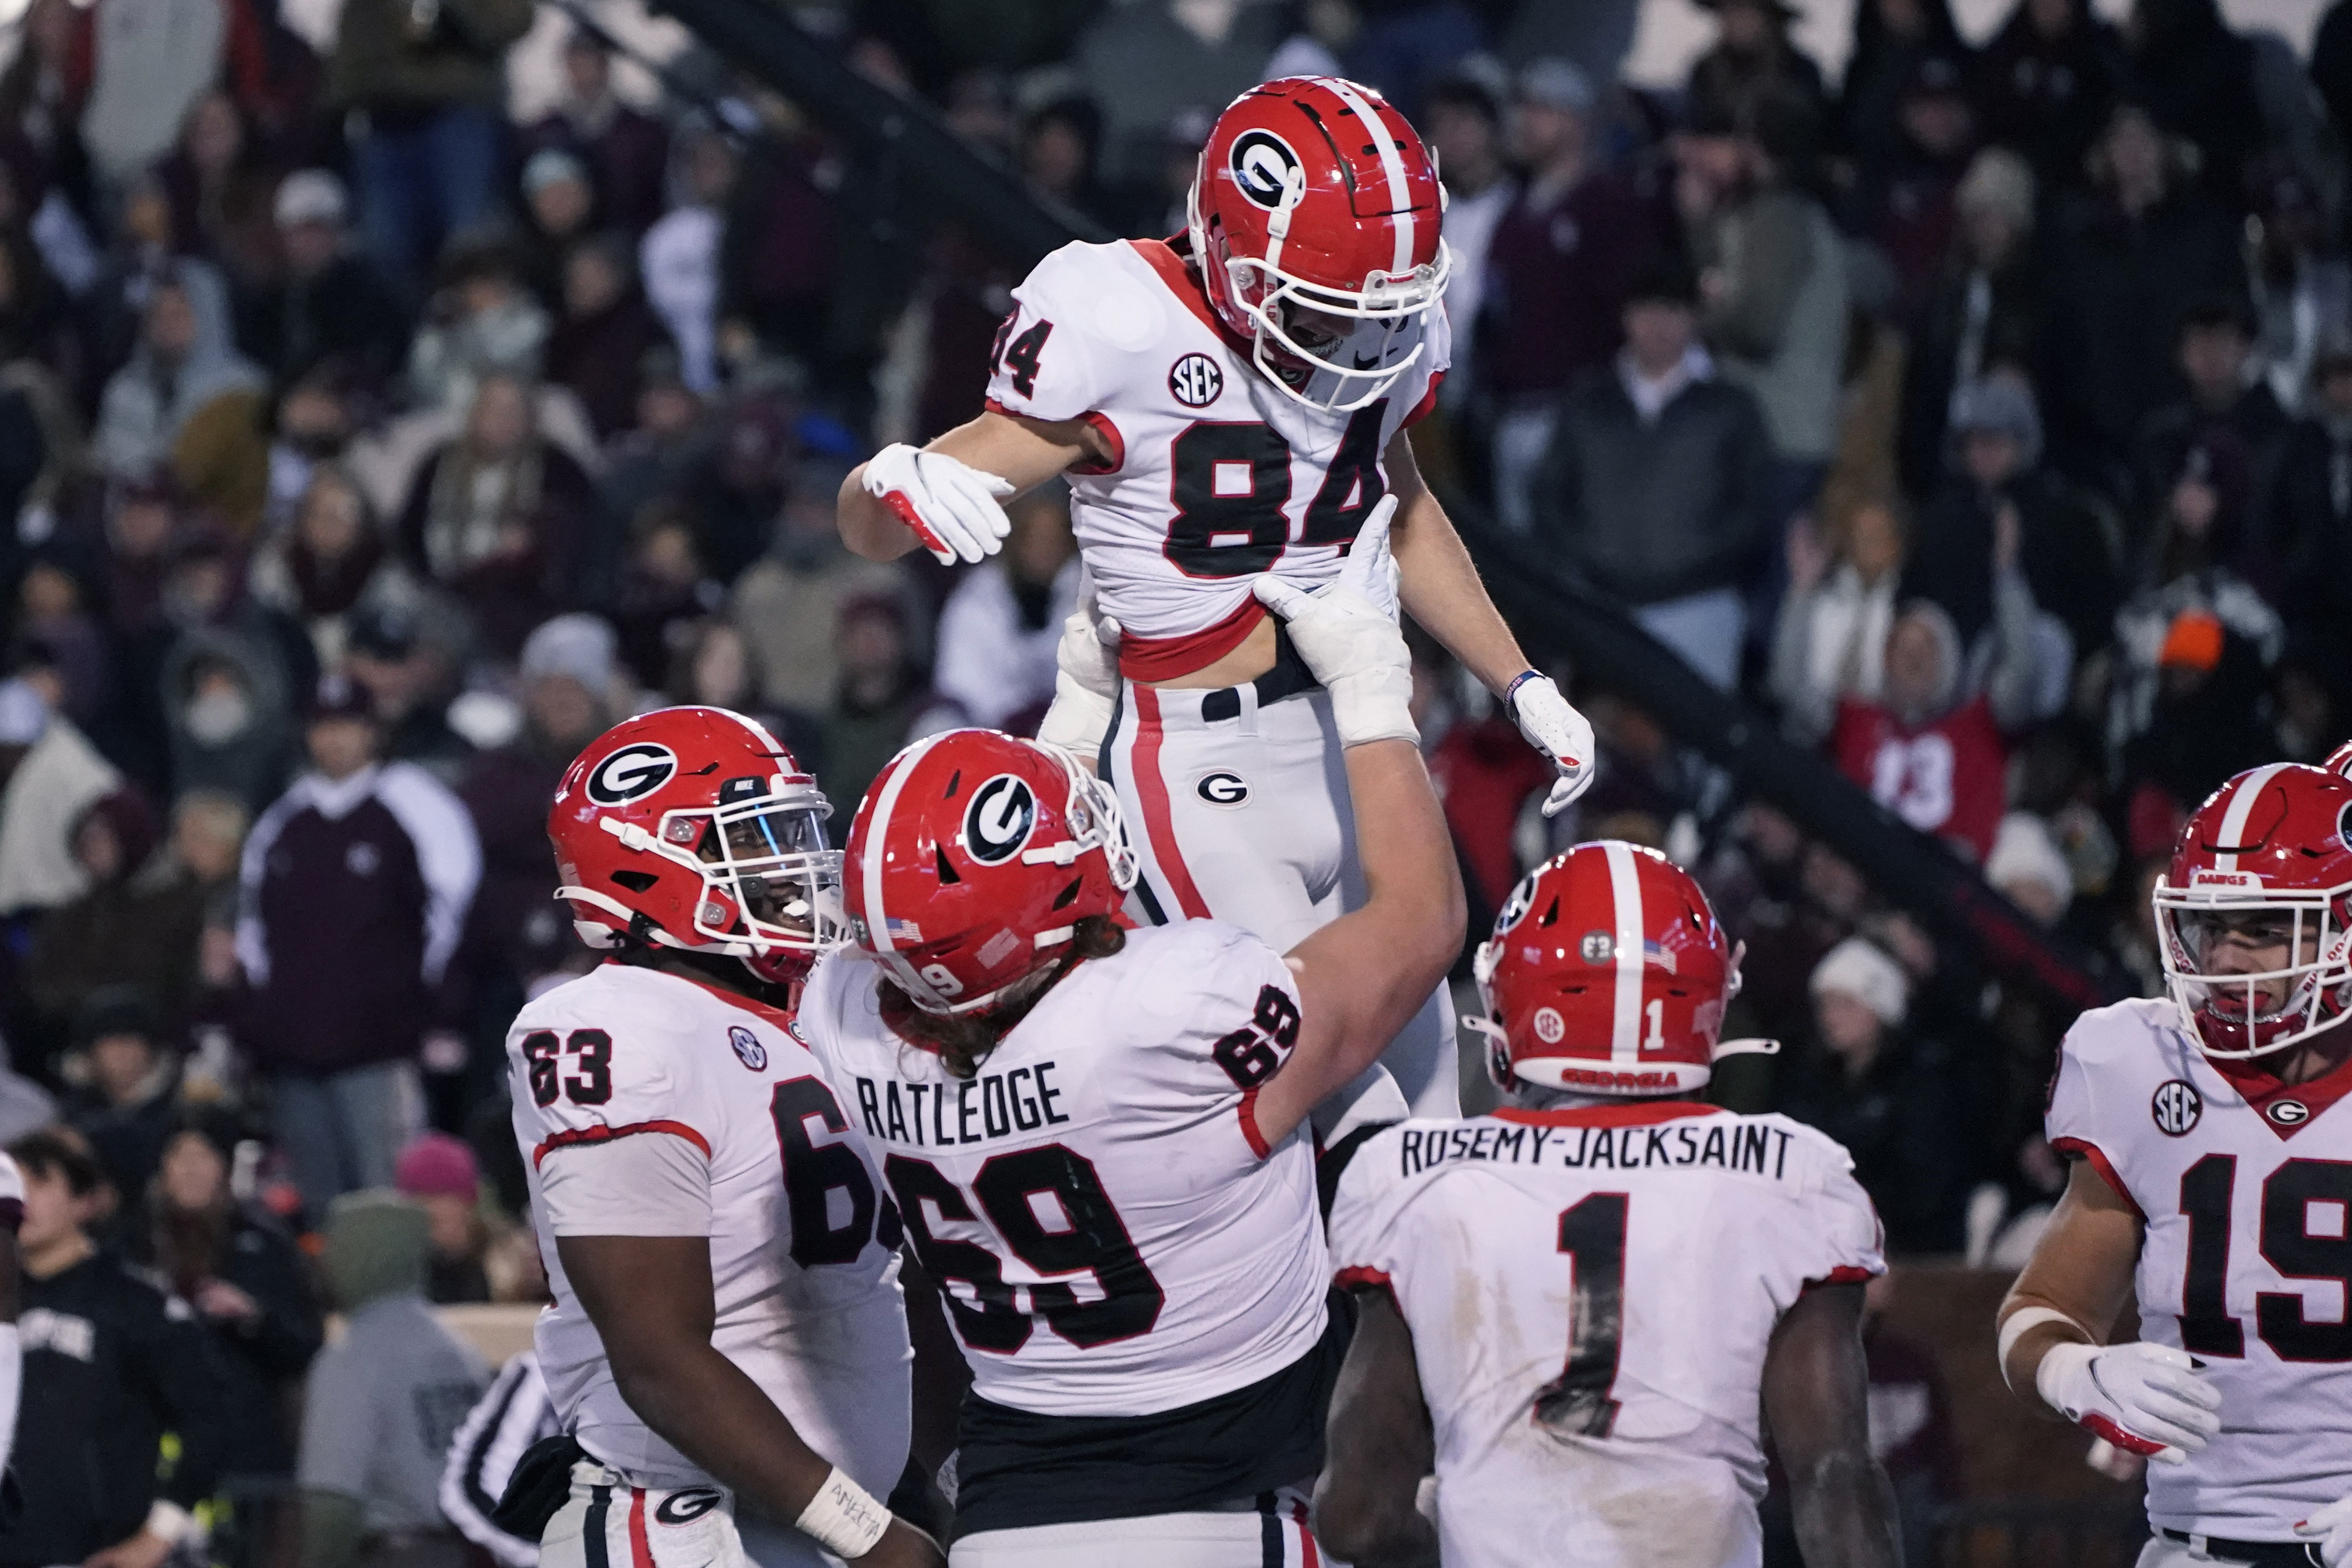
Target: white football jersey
point(1111, 1235)
point(2245, 1185)
point(803, 1242)
point(1218, 475)
point(1592, 1293)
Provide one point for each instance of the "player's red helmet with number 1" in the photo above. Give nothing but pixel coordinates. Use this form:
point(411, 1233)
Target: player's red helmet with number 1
point(1314, 195)
point(2267, 849)
point(972, 859)
point(1607, 974)
point(694, 828)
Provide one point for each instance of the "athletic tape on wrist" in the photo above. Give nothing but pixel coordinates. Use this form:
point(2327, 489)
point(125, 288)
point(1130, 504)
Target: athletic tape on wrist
point(843, 1518)
point(2024, 1321)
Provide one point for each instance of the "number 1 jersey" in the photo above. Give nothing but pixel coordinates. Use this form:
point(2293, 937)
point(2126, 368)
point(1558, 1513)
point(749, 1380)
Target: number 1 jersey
point(648, 1104)
point(1592, 1293)
point(2245, 1186)
point(1217, 475)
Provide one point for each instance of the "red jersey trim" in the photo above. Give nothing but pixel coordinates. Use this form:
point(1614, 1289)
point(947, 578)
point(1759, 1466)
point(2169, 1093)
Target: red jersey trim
point(1162, 257)
point(1428, 403)
point(1845, 1274)
point(601, 1134)
point(1247, 1112)
point(1160, 827)
point(2080, 1149)
point(1101, 422)
point(1165, 658)
point(1365, 1280)
point(1641, 1115)
point(2262, 1088)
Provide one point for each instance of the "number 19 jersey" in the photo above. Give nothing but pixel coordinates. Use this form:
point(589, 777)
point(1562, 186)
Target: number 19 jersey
point(2245, 1186)
point(1591, 1293)
point(1215, 474)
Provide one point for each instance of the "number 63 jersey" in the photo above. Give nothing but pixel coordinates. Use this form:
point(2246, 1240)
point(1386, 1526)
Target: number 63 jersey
point(648, 1104)
point(2245, 1186)
point(1217, 475)
point(1592, 1293)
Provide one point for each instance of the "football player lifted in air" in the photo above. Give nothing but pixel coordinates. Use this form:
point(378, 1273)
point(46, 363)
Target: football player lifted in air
point(1227, 404)
point(728, 1346)
point(1099, 1137)
point(1573, 1311)
point(2212, 1177)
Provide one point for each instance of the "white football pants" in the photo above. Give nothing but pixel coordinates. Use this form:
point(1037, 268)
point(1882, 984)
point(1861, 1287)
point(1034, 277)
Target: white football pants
point(1276, 1539)
point(608, 1523)
point(1247, 819)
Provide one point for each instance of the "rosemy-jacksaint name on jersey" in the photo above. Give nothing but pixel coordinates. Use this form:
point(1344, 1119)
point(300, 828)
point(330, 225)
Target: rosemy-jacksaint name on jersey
point(1759, 1148)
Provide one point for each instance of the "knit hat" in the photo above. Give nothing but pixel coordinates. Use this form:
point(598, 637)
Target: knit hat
point(310, 197)
point(2023, 850)
point(580, 645)
point(552, 166)
point(1860, 969)
point(1999, 404)
point(1556, 84)
point(376, 1246)
point(435, 1164)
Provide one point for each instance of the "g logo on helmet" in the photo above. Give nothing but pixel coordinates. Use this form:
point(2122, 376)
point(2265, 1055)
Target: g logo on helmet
point(1003, 814)
point(632, 773)
point(1514, 908)
point(1263, 166)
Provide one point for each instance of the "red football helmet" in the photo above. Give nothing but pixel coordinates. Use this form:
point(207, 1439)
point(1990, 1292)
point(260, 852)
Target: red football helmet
point(1314, 195)
point(973, 856)
point(2265, 860)
point(694, 828)
point(1607, 974)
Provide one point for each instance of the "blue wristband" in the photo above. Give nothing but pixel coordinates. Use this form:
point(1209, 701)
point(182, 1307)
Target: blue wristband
point(1511, 692)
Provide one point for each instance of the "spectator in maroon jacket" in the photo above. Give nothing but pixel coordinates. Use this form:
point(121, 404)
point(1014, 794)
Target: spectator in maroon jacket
point(355, 888)
point(1559, 265)
point(604, 333)
point(626, 152)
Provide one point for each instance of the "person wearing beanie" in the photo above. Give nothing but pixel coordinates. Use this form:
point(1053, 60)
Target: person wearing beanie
point(1886, 1093)
point(126, 1103)
point(2028, 868)
point(437, 1173)
point(384, 1401)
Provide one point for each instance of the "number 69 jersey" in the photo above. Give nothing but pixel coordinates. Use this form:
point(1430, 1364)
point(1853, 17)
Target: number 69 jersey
point(2245, 1186)
point(1592, 1293)
point(647, 1105)
point(1217, 475)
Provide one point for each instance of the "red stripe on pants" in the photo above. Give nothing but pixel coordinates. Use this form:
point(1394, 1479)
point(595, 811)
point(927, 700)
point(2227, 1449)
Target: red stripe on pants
point(1158, 825)
point(641, 1550)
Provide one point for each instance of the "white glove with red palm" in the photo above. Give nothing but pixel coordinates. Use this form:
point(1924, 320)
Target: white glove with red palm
point(1559, 731)
point(2144, 1398)
point(954, 508)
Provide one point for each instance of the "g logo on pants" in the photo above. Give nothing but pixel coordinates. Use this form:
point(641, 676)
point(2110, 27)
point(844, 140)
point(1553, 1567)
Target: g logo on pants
point(1222, 787)
point(685, 1507)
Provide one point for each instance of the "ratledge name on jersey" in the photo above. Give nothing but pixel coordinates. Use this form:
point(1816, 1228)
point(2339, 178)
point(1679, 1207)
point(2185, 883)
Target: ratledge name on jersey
point(1761, 1149)
point(1001, 1103)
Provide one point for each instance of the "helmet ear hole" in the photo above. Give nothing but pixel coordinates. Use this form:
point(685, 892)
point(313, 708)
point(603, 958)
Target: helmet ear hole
point(947, 877)
point(635, 881)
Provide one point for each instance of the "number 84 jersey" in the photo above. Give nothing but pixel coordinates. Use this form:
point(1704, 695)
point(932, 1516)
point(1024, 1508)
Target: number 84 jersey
point(648, 1104)
point(1591, 1293)
point(1215, 474)
point(2245, 1187)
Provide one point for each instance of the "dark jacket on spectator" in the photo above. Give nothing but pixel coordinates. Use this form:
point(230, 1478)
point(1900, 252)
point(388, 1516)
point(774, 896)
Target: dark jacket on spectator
point(2255, 423)
point(626, 152)
point(2197, 77)
point(381, 64)
point(512, 559)
point(2063, 550)
point(2310, 526)
point(112, 1362)
point(1900, 1122)
point(354, 897)
point(128, 1139)
point(2118, 287)
point(1557, 281)
point(598, 357)
point(2048, 98)
point(347, 311)
point(139, 928)
point(1651, 510)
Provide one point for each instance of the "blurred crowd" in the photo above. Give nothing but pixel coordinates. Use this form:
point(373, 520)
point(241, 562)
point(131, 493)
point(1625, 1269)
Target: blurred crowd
point(1985, 416)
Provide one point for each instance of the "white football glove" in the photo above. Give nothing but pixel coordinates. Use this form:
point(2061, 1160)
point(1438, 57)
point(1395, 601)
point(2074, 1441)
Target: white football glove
point(1086, 680)
point(2332, 1528)
point(951, 506)
point(1347, 631)
point(1560, 733)
point(2144, 1398)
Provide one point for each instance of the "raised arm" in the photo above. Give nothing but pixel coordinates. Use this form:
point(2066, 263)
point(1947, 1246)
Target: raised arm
point(1816, 1402)
point(955, 488)
point(1362, 978)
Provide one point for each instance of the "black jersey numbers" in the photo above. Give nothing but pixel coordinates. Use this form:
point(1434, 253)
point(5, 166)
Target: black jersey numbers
point(1018, 355)
point(1230, 484)
point(1352, 486)
point(591, 1082)
point(1048, 1209)
point(1592, 1234)
point(815, 1172)
point(1251, 1054)
point(2288, 1243)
